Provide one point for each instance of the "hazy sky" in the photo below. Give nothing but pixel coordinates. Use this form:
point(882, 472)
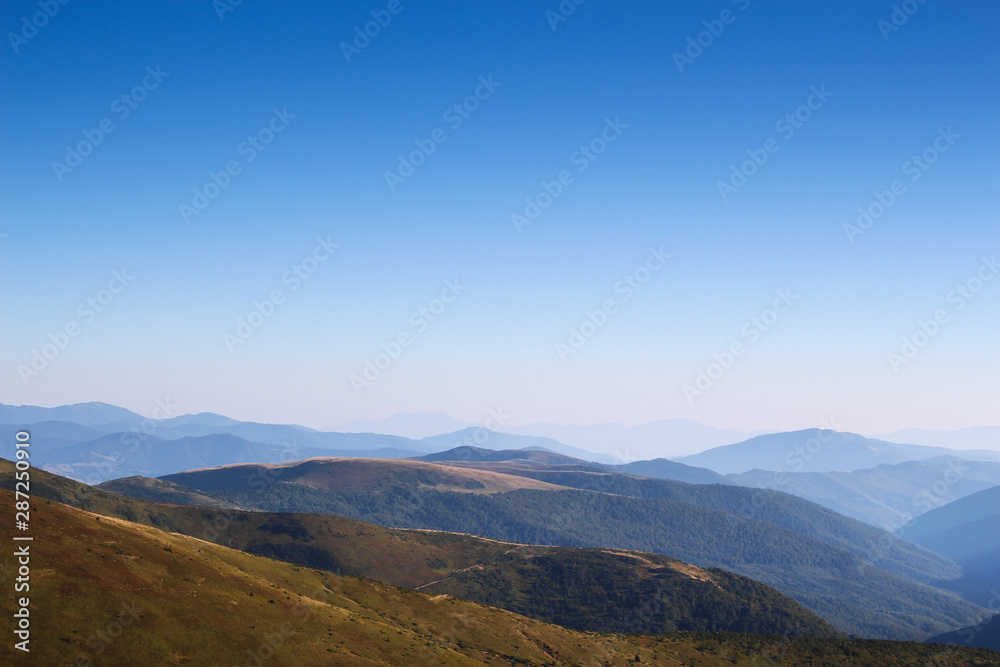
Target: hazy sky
point(693, 165)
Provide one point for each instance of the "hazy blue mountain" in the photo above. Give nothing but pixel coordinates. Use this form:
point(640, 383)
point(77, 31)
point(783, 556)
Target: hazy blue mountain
point(108, 419)
point(50, 435)
point(981, 635)
point(204, 418)
point(407, 425)
point(816, 450)
point(292, 435)
point(975, 437)
point(127, 454)
point(966, 531)
point(498, 440)
point(887, 496)
point(665, 438)
point(87, 414)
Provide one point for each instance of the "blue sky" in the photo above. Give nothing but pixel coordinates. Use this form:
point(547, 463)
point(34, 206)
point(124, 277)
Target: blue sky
point(889, 94)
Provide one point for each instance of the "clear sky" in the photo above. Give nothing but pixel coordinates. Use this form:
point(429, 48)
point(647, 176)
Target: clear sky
point(630, 127)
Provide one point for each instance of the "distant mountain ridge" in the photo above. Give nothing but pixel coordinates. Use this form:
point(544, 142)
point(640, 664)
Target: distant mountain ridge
point(664, 438)
point(887, 495)
point(818, 450)
point(966, 531)
point(407, 425)
point(975, 437)
point(87, 414)
point(499, 440)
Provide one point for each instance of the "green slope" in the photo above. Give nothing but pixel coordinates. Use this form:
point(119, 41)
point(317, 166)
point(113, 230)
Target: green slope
point(111, 592)
point(550, 580)
point(827, 578)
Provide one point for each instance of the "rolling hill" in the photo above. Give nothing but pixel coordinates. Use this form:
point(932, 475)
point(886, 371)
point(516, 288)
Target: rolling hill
point(785, 510)
point(547, 460)
point(585, 589)
point(126, 594)
point(667, 469)
point(826, 577)
point(469, 453)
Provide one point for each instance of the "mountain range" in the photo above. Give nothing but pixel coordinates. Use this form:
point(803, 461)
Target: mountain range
point(812, 537)
point(887, 495)
point(818, 450)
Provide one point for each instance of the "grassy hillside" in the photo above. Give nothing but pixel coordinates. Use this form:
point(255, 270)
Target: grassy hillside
point(828, 579)
point(162, 491)
point(344, 475)
point(111, 592)
point(549, 581)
